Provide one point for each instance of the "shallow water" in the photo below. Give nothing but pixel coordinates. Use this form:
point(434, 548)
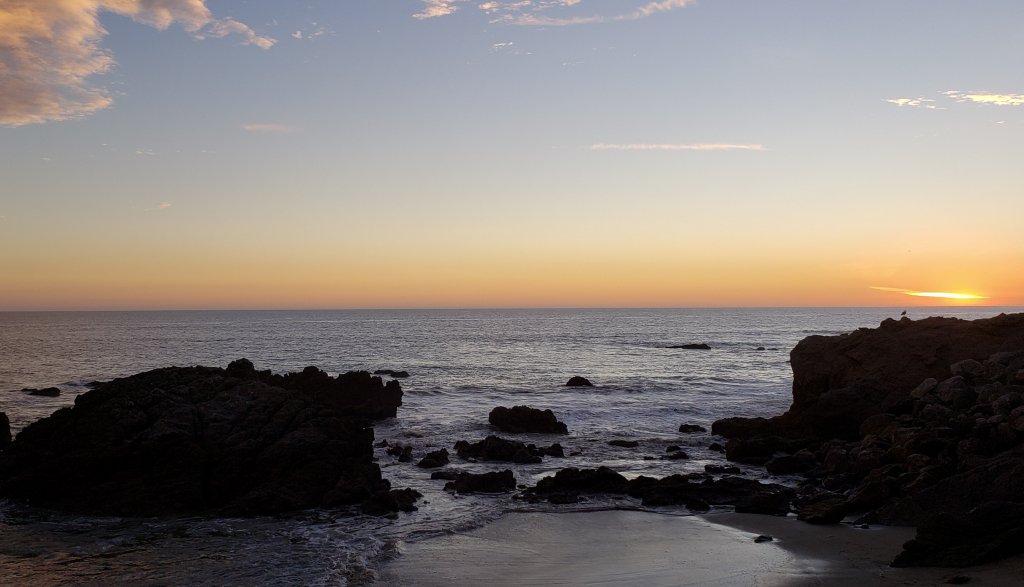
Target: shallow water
point(462, 364)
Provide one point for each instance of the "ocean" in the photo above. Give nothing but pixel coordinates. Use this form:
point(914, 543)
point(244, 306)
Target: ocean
point(462, 363)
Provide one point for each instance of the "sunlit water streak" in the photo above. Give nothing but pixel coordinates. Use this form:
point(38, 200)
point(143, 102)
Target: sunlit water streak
point(463, 363)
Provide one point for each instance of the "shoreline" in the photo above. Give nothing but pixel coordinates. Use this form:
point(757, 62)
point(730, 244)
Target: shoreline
point(629, 547)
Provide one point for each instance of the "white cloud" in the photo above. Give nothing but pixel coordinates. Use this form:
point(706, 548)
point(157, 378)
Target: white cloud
point(164, 205)
point(435, 8)
point(268, 127)
point(914, 103)
point(674, 147)
point(50, 49)
point(987, 98)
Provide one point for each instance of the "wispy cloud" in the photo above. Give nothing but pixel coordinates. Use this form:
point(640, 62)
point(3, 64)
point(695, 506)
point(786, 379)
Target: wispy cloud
point(914, 103)
point(674, 147)
point(164, 205)
point(49, 50)
point(268, 127)
point(538, 12)
point(987, 98)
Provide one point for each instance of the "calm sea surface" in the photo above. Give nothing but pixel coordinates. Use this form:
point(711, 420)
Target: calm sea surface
point(462, 364)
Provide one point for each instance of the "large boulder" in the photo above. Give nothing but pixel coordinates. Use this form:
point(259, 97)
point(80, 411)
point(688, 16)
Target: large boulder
point(525, 419)
point(5, 431)
point(494, 448)
point(205, 440)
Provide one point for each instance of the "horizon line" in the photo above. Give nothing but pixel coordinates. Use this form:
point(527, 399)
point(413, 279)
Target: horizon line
point(492, 308)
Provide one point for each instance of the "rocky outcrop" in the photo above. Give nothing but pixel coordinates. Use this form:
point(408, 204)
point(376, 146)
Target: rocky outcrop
point(695, 491)
point(519, 419)
point(392, 373)
point(5, 431)
point(494, 448)
point(577, 381)
point(700, 346)
point(691, 428)
point(915, 423)
point(205, 440)
point(492, 482)
point(433, 460)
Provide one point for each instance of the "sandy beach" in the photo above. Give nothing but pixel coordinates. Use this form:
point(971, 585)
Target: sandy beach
point(639, 548)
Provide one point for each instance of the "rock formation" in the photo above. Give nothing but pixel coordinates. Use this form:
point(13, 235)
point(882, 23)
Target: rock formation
point(917, 423)
point(205, 440)
point(525, 419)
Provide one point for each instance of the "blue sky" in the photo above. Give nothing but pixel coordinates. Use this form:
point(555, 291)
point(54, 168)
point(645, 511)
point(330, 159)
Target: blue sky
point(728, 140)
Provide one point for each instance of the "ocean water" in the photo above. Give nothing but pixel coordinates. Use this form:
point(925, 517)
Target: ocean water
point(462, 364)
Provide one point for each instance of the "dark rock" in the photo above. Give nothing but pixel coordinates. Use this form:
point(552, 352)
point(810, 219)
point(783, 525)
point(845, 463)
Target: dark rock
point(763, 538)
point(435, 459)
point(493, 482)
point(44, 392)
point(624, 443)
point(801, 462)
point(691, 428)
point(740, 427)
point(402, 451)
point(760, 348)
point(526, 419)
point(5, 431)
point(830, 510)
point(392, 373)
point(720, 470)
point(494, 448)
point(578, 381)
point(446, 474)
point(716, 447)
point(577, 481)
point(677, 455)
point(198, 439)
point(992, 531)
point(693, 347)
point(695, 488)
point(386, 502)
point(673, 448)
point(555, 450)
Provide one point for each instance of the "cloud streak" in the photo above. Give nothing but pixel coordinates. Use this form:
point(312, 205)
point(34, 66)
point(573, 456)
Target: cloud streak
point(914, 103)
point(674, 147)
point(535, 12)
point(50, 49)
point(987, 98)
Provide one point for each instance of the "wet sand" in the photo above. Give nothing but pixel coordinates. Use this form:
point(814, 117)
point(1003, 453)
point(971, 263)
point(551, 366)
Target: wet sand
point(638, 548)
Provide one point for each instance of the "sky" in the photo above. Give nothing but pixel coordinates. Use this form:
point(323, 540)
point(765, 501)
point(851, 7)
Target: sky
point(165, 154)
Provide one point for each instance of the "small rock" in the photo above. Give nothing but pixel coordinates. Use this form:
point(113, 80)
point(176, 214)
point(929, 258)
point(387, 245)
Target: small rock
point(392, 373)
point(578, 381)
point(691, 428)
point(763, 538)
point(45, 392)
point(435, 459)
point(673, 448)
point(693, 347)
point(624, 443)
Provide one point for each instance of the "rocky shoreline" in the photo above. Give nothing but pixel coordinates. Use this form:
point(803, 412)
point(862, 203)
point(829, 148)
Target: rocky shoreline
point(916, 423)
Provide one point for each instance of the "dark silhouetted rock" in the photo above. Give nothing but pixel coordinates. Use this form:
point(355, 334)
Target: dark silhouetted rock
point(5, 431)
point(990, 532)
point(392, 373)
point(525, 419)
point(830, 510)
point(395, 500)
point(722, 470)
point(573, 481)
point(493, 482)
point(197, 439)
point(555, 450)
point(693, 347)
point(624, 443)
point(763, 538)
point(44, 392)
point(402, 451)
point(696, 490)
point(740, 427)
point(691, 428)
point(435, 459)
point(446, 474)
point(494, 448)
point(578, 381)
point(677, 455)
